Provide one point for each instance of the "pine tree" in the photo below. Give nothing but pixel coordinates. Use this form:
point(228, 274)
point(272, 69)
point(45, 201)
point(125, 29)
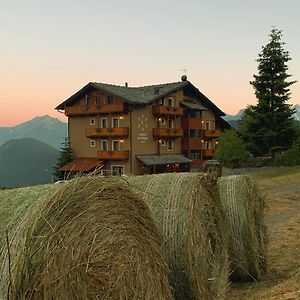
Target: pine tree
point(66, 156)
point(268, 125)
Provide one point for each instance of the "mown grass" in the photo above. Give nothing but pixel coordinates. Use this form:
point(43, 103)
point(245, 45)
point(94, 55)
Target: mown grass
point(281, 187)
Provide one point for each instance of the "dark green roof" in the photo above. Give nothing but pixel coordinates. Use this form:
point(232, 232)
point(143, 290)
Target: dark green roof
point(151, 160)
point(142, 95)
point(134, 95)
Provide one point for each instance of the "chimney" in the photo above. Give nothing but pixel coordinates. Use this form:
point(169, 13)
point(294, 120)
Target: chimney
point(126, 84)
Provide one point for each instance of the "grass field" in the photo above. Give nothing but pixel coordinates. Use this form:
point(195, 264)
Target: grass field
point(281, 186)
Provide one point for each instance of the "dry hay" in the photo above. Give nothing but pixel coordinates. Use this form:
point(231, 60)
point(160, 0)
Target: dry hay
point(16, 206)
point(188, 212)
point(94, 239)
point(244, 206)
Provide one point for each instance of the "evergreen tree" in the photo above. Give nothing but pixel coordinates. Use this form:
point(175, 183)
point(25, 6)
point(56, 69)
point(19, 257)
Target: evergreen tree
point(269, 124)
point(231, 151)
point(66, 156)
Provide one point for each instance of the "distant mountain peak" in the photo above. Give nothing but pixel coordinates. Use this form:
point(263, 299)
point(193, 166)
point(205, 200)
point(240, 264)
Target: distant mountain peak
point(44, 128)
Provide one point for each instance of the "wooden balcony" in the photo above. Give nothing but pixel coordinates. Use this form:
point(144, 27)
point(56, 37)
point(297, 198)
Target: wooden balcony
point(212, 133)
point(106, 132)
point(197, 163)
point(113, 155)
point(167, 133)
point(160, 110)
point(191, 123)
point(94, 109)
point(209, 152)
point(191, 144)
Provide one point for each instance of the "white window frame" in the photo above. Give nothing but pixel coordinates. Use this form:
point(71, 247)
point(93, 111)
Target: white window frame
point(163, 121)
point(92, 143)
point(171, 122)
point(163, 143)
point(172, 143)
point(172, 101)
point(119, 166)
point(102, 148)
point(92, 121)
point(102, 119)
point(113, 147)
point(112, 122)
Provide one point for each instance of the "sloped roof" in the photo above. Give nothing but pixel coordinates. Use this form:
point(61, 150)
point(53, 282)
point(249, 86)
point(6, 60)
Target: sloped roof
point(141, 95)
point(151, 160)
point(193, 106)
point(134, 95)
point(82, 164)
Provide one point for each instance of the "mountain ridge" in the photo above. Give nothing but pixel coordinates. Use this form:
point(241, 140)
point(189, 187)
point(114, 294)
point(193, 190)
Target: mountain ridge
point(43, 128)
point(26, 162)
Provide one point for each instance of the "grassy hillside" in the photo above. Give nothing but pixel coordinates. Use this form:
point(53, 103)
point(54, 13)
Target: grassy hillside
point(26, 162)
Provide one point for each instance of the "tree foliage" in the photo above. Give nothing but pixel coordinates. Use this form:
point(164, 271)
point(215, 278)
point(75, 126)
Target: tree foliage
point(269, 123)
point(66, 156)
point(289, 157)
point(231, 151)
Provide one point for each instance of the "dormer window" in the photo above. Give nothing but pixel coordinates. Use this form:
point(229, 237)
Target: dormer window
point(88, 100)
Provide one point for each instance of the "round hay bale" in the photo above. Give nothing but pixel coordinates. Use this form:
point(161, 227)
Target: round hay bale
point(94, 239)
point(245, 210)
point(187, 210)
point(16, 206)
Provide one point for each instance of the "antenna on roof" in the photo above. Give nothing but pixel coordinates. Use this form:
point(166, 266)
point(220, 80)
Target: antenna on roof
point(183, 70)
point(184, 76)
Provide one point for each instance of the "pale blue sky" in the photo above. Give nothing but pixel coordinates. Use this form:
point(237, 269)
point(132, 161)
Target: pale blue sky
point(50, 49)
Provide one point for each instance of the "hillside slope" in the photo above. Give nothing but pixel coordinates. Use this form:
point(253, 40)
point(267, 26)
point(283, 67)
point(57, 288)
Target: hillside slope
point(46, 129)
point(26, 162)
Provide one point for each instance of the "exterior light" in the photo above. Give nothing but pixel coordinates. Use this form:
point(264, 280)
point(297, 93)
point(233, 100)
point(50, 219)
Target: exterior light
point(202, 121)
point(217, 143)
point(159, 119)
point(122, 141)
point(121, 118)
point(159, 140)
point(202, 141)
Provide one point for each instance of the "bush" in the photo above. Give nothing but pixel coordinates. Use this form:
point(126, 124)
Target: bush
point(289, 157)
point(231, 151)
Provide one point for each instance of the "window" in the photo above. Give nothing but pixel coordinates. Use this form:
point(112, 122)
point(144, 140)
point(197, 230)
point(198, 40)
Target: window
point(116, 145)
point(92, 121)
point(162, 121)
point(92, 143)
point(195, 154)
point(161, 101)
point(170, 145)
point(88, 100)
point(104, 145)
point(207, 125)
point(115, 123)
point(104, 123)
point(117, 170)
point(171, 123)
point(194, 133)
point(163, 143)
point(170, 102)
point(110, 99)
point(97, 100)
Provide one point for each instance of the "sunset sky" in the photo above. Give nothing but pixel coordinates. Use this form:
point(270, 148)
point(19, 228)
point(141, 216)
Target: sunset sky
point(51, 49)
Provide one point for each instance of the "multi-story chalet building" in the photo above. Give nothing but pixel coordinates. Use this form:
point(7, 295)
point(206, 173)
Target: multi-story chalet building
point(137, 130)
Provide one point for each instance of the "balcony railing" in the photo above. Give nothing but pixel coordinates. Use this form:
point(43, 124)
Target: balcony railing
point(113, 155)
point(94, 109)
point(105, 132)
point(191, 123)
point(167, 133)
point(159, 110)
point(209, 152)
point(212, 133)
point(191, 144)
